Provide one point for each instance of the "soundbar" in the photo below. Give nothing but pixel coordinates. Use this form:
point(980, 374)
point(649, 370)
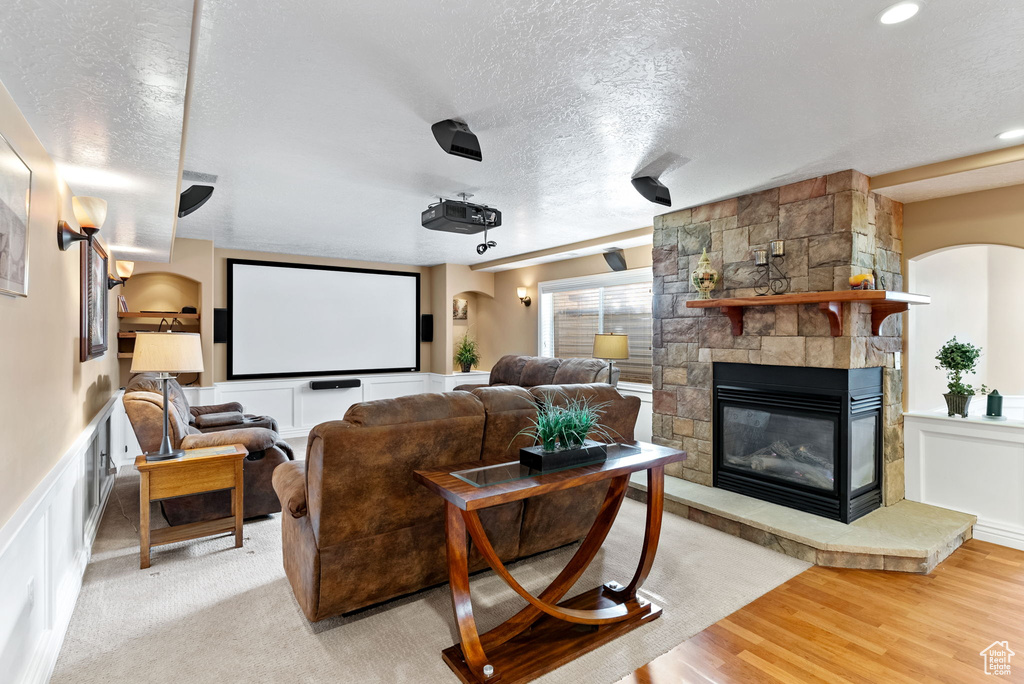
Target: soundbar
point(334, 384)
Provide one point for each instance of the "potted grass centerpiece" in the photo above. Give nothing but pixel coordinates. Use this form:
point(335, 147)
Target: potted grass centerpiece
point(561, 433)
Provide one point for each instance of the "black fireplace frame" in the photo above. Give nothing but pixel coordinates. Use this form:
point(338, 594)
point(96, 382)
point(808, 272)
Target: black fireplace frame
point(840, 394)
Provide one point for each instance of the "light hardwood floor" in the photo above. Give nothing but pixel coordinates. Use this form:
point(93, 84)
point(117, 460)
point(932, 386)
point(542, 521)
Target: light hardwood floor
point(864, 627)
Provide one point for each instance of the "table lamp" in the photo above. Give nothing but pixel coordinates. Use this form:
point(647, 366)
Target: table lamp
point(609, 346)
point(166, 353)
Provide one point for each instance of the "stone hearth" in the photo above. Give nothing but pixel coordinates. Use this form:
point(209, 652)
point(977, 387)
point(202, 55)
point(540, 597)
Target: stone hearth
point(833, 227)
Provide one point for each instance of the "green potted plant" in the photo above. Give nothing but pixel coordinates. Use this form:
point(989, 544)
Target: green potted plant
point(561, 433)
point(467, 353)
point(957, 359)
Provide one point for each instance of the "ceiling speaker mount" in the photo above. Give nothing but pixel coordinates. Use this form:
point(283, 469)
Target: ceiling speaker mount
point(652, 190)
point(455, 138)
point(193, 198)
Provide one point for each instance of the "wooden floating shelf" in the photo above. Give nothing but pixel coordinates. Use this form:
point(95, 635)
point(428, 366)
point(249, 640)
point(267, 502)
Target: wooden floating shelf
point(883, 303)
point(141, 314)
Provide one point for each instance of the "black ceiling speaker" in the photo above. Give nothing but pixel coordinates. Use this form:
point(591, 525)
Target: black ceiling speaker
point(616, 259)
point(454, 137)
point(193, 198)
point(652, 190)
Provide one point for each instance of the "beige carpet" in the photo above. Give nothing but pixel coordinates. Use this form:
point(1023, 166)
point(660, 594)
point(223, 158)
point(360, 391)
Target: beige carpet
point(207, 612)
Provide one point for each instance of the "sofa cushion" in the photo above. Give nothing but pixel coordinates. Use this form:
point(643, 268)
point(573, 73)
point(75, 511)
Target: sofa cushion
point(415, 408)
point(574, 371)
point(539, 371)
point(149, 382)
point(618, 413)
point(508, 410)
point(508, 370)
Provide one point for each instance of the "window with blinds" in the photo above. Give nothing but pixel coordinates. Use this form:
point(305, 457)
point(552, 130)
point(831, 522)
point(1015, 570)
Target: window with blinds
point(573, 311)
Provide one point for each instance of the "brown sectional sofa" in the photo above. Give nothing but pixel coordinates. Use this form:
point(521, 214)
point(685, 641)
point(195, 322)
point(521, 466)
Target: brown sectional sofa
point(534, 371)
point(357, 528)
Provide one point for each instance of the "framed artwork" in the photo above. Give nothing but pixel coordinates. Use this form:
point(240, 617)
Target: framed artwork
point(15, 196)
point(460, 309)
point(94, 300)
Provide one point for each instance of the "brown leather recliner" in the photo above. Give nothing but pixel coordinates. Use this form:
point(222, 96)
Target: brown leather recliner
point(210, 418)
point(360, 530)
point(533, 371)
point(266, 451)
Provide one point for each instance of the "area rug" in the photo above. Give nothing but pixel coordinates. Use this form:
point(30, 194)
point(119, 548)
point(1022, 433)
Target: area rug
point(207, 612)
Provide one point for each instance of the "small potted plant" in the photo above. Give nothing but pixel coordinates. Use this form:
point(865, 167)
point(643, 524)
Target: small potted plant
point(561, 433)
point(958, 358)
point(467, 353)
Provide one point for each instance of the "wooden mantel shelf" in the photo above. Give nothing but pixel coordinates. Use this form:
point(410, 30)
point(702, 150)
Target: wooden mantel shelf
point(884, 303)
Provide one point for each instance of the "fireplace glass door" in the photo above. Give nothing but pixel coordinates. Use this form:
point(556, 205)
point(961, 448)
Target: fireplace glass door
point(798, 449)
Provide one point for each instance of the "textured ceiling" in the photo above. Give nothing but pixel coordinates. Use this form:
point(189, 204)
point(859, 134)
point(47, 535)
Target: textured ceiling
point(315, 115)
point(103, 86)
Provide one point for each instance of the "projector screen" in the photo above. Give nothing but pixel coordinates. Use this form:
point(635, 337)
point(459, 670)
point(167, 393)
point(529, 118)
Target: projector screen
point(288, 320)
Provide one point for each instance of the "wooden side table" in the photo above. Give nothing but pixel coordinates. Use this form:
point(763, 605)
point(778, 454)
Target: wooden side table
point(548, 632)
point(208, 469)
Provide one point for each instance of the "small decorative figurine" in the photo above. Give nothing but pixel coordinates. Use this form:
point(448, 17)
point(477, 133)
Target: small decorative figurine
point(864, 281)
point(704, 278)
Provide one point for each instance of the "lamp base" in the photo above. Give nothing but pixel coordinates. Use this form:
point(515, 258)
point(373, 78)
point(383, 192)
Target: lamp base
point(159, 456)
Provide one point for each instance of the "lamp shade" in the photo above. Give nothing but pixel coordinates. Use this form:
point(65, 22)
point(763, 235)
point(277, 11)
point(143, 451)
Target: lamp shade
point(90, 212)
point(521, 292)
point(125, 269)
point(611, 346)
point(167, 352)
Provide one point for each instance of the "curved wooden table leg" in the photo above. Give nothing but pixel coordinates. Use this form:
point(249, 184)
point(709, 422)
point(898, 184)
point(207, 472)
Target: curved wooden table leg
point(652, 532)
point(600, 616)
point(458, 581)
point(573, 570)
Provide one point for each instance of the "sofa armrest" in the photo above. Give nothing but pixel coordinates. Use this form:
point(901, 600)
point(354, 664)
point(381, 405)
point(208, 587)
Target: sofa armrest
point(290, 484)
point(253, 439)
point(468, 388)
point(197, 411)
point(208, 420)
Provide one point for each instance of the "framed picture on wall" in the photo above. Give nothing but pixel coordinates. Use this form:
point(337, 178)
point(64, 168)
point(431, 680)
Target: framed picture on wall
point(94, 300)
point(460, 309)
point(15, 195)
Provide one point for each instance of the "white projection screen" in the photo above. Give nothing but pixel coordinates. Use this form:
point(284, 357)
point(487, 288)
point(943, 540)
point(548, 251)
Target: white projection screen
point(292, 320)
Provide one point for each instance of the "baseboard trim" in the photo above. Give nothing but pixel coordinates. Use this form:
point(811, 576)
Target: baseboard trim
point(1004, 535)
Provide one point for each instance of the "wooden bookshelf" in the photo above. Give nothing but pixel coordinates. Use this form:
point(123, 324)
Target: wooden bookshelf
point(883, 303)
point(141, 314)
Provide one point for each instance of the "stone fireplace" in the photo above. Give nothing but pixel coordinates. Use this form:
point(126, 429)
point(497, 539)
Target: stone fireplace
point(833, 228)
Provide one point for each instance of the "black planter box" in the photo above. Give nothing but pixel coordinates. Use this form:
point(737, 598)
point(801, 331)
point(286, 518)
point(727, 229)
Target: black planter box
point(536, 458)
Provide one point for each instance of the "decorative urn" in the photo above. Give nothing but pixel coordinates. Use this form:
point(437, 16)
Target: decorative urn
point(704, 278)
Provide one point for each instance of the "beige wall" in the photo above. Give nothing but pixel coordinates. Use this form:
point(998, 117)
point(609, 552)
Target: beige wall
point(47, 396)
point(505, 326)
point(990, 217)
point(220, 281)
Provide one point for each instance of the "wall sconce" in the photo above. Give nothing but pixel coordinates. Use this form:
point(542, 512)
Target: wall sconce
point(523, 297)
point(124, 272)
point(90, 212)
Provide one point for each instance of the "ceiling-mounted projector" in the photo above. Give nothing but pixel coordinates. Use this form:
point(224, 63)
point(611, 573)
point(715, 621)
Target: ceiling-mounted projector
point(455, 216)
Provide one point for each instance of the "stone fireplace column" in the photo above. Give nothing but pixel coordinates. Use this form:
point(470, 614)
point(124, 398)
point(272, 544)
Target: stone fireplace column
point(833, 228)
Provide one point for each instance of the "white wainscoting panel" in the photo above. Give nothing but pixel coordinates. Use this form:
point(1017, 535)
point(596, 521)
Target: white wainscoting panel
point(46, 545)
point(975, 466)
point(645, 421)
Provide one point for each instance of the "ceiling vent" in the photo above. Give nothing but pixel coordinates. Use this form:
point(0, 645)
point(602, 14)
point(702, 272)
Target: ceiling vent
point(455, 138)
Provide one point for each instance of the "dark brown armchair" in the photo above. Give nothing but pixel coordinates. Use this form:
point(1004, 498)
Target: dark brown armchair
point(210, 418)
point(266, 451)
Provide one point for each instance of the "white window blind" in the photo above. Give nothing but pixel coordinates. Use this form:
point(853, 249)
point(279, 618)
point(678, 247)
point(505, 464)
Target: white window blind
point(574, 310)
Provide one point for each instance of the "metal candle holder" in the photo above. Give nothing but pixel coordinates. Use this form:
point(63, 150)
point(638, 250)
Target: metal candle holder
point(767, 282)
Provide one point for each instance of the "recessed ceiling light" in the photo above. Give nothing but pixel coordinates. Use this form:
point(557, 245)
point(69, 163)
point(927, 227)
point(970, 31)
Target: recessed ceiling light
point(1011, 135)
point(901, 11)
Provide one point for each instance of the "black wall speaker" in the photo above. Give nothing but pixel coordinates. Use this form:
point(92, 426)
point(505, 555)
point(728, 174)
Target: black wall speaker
point(616, 259)
point(220, 326)
point(427, 328)
point(193, 198)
